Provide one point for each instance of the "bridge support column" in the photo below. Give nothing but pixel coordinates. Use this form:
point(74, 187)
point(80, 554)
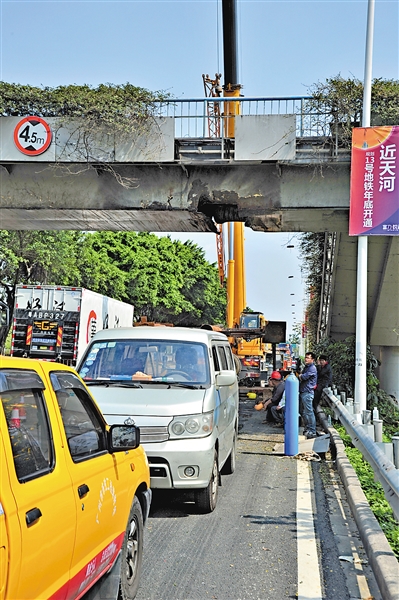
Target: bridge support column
point(388, 372)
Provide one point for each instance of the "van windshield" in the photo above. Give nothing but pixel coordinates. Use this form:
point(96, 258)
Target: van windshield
point(146, 361)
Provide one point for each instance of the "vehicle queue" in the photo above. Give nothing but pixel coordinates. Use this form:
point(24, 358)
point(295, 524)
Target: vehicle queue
point(76, 486)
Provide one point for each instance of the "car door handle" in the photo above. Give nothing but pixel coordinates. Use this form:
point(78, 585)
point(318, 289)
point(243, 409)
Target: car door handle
point(32, 515)
point(83, 490)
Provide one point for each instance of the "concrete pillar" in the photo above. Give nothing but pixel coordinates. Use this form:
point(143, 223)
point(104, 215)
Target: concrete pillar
point(389, 370)
point(377, 430)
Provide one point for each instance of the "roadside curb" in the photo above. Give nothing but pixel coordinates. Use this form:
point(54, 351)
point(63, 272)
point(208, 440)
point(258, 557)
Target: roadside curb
point(381, 558)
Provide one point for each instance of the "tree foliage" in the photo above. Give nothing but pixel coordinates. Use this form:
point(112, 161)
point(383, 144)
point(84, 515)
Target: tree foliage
point(119, 107)
point(341, 102)
point(311, 246)
point(295, 336)
point(166, 281)
point(341, 356)
point(36, 257)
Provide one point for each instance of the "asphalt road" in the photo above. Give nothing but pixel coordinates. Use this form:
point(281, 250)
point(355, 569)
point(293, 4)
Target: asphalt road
point(245, 549)
point(282, 528)
point(248, 547)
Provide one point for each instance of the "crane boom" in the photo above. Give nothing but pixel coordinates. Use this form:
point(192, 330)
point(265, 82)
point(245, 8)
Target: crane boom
point(248, 331)
point(220, 253)
point(231, 88)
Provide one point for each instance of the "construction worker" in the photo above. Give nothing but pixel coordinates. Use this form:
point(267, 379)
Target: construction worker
point(324, 378)
point(278, 385)
point(307, 386)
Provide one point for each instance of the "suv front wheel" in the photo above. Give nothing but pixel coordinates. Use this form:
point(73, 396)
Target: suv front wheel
point(132, 553)
point(206, 498)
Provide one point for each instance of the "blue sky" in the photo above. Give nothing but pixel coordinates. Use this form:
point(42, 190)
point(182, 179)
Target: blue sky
point(284, 48)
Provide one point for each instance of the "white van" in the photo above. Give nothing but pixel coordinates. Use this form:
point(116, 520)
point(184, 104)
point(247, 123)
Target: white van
point(179, 385)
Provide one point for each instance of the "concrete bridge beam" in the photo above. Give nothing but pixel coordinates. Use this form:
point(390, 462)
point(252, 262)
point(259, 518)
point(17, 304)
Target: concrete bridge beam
point(174, 197)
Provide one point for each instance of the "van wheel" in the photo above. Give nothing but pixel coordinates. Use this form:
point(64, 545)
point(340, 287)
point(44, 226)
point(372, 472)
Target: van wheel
point(206, 498)
point(230, 465)
point(132, 553)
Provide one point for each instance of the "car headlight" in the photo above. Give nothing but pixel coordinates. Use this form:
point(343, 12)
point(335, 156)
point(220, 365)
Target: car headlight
point(191, 426)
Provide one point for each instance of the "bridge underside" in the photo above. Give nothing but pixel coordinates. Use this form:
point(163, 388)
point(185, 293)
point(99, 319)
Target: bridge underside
point(382, 289)
point(174, 197)
point(382, 301)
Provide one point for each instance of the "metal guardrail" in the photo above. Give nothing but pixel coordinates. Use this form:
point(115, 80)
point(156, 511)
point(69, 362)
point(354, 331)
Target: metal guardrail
point(384, 470)
point(201, 117)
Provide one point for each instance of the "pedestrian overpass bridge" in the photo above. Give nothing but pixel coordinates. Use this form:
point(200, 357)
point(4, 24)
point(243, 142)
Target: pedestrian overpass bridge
point(282, 171)
point(285, 169)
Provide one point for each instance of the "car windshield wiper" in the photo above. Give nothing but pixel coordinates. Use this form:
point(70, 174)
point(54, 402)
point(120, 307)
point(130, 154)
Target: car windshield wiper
point(168, 383)
point(132, 384)
point(113, 382)
point(189, 386)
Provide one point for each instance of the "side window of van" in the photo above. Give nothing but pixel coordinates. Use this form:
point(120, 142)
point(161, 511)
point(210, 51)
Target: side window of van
point(216, 362)
point(229, 356)
point(222, 358)
point(21, 394)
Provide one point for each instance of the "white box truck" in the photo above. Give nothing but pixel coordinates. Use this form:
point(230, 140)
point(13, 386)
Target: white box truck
point(57, 322)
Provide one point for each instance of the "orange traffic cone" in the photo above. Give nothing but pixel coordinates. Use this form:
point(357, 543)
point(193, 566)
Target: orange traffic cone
point(22, 411)
point(15, 421)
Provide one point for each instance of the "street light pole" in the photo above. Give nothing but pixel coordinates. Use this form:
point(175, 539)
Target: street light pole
point(362, 242)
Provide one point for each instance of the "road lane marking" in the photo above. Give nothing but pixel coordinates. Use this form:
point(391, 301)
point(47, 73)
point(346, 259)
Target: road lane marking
point(309, 581)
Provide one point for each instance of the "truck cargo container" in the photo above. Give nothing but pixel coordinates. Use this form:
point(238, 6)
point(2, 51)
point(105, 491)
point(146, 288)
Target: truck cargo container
point(57, 322)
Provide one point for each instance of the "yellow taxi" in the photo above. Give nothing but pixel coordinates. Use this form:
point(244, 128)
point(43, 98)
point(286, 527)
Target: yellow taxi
point(74, 492)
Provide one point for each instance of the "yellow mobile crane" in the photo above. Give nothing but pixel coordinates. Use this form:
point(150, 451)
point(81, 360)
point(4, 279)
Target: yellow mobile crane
point(236, 300)
point(248, 331)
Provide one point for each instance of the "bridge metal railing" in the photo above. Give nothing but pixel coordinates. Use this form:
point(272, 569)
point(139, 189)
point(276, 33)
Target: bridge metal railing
point(384, 470)
point(202, 117)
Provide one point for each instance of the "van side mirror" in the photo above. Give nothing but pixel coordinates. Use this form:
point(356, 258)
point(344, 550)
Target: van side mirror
point(123, 437)
point(226, 378)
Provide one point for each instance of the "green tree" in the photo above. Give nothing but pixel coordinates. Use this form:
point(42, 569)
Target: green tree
point(36, 257)
point(339, 103)
point(341, 356)
point(311, 246)
point(201, 287)
point(166, 281)
point(117, 106)
point(295, 336)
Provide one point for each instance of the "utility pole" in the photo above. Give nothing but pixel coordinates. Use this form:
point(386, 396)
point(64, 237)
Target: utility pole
point(362, 241)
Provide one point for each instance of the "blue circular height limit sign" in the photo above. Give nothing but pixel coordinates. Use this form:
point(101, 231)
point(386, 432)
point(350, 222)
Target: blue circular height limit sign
point(32, 136)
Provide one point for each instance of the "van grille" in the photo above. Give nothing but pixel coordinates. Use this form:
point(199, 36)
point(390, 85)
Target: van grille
point(153, 434)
